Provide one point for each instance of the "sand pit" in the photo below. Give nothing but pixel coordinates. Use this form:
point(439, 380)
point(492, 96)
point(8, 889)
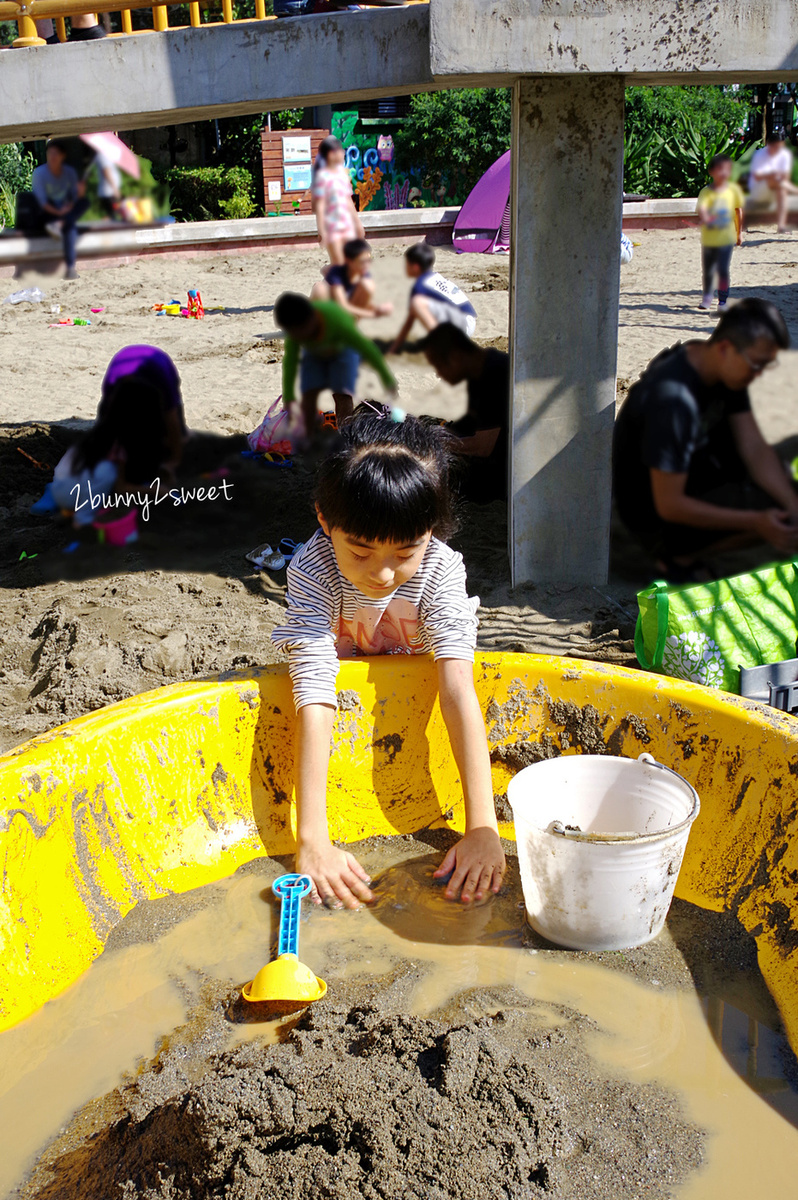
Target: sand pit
point(455, 1056)
point(488, 1095)
point(83, 629)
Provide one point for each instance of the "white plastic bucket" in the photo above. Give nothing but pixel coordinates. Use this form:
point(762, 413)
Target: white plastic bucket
point(600, 844)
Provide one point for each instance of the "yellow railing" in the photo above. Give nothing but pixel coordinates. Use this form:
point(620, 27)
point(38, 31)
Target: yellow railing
point(26, 14)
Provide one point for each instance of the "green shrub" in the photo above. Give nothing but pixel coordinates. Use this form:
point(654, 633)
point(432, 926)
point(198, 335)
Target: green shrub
point(16, 170)
point(641, 157)
point(241, 203)
point(210, 193)
point(238, 207)
point(673, 132)
point(677, 165)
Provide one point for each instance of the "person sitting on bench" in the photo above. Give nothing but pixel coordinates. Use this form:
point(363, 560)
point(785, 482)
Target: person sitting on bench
point(770, 179)
point(59, 194)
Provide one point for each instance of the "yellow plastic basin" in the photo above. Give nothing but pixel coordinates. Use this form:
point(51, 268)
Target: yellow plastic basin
point(178, 787)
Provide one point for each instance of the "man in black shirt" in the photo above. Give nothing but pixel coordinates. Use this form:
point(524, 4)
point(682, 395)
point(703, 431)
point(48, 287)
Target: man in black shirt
point(691, 469)
point(482, 434)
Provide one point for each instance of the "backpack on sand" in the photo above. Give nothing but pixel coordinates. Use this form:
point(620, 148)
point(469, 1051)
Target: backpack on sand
point(704, 632)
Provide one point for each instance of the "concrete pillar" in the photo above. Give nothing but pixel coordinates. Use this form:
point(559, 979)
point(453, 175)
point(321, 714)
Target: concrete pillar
point(567, 190)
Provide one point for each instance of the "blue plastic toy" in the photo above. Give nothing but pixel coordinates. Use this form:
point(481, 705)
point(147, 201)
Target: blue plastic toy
point(285, 979)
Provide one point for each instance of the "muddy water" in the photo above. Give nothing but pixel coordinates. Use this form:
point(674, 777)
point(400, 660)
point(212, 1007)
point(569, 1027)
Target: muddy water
point(169, 958)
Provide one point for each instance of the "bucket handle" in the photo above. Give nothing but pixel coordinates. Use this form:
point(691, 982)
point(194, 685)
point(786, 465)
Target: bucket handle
point(575, 834)
point(650, 761)
point(578, 835)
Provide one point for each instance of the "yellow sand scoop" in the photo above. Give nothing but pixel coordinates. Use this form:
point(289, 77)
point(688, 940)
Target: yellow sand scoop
point(286, 979)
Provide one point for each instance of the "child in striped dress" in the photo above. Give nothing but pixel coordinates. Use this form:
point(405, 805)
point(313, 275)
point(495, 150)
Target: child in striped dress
point(376, 578)
point(337, 219)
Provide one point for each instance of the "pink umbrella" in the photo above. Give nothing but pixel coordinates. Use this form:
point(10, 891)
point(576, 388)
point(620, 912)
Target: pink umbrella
point(114, 149)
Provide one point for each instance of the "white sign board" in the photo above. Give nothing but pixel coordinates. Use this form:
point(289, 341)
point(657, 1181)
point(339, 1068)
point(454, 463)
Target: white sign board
point(274, 189)
point(296, 149)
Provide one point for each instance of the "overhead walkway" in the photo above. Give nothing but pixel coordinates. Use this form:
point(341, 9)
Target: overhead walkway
point(568, 62)
point(231, 67)
point(213, 70)
point(26, 14)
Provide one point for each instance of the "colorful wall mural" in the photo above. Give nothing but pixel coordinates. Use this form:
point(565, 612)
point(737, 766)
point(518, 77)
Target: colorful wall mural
point(371, 161)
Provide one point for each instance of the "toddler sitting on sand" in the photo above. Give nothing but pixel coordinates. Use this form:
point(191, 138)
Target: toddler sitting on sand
point(138, 435)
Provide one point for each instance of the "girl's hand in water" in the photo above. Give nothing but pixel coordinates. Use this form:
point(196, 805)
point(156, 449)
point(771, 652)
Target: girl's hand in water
point(476, 864)
point(338, 878)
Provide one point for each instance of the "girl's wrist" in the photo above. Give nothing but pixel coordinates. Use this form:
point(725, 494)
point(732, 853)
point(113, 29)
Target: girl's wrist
point(481, 816)
point(312, 838)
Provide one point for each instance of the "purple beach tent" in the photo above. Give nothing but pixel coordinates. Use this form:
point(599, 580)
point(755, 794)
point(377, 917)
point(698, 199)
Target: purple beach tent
point(483, 225)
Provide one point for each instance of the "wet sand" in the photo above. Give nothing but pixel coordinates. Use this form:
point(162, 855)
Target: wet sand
point(456, 1055)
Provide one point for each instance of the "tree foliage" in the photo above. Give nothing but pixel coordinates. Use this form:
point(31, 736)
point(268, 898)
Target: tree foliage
point(455, 133)
point(16, 170)
point(673, 132)
point(710, 111)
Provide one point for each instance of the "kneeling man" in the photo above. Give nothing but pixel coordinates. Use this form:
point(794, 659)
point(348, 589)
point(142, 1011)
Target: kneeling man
point(691, 469)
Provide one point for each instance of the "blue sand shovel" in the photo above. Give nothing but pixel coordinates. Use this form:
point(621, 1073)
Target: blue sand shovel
point(285, 978)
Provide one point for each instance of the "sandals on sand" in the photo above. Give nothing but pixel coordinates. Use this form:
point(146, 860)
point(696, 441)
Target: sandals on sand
point(288, 548)
point(264, 558)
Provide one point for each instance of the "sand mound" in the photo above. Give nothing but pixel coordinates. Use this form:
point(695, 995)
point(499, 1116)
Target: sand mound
point(359, 1103)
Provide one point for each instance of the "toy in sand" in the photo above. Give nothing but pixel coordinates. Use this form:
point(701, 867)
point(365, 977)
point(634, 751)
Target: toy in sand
point(193, 308)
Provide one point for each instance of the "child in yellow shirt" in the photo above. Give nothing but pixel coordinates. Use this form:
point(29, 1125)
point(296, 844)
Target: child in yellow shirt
point(720, 208)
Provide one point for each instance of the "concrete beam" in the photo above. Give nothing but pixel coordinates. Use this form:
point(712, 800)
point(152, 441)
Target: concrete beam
point(215, 71)
point(252, 66)
point(564, 287)
point(648, 41)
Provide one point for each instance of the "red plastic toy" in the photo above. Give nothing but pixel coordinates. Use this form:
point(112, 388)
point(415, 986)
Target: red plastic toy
point(195, 308)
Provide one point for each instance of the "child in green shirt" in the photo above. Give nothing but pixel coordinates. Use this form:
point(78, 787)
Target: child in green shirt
point(720, 208)
point(324, 343)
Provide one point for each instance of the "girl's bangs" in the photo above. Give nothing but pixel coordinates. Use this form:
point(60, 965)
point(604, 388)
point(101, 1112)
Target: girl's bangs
point(392, 499)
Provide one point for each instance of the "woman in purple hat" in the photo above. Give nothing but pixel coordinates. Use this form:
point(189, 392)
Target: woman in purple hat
point(153, 367)
point(138, 434)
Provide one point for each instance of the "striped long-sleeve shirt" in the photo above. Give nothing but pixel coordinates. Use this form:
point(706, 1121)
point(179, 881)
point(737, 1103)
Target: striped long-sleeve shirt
point(328, 618)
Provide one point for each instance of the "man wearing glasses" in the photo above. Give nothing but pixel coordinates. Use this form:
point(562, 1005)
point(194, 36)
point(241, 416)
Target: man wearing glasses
point(692, 472)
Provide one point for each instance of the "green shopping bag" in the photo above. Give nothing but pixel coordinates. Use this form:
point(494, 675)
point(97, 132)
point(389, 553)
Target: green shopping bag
point(704, 632)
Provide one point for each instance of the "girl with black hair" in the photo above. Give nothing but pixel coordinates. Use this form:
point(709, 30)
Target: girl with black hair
point(125, 449)
point(378, 578)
